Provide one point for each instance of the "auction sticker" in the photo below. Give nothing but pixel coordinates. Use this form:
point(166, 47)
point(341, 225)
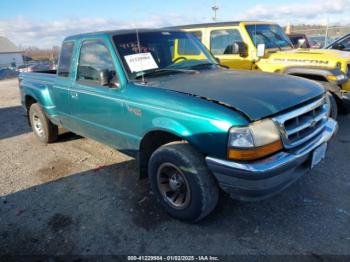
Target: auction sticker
point(140, 62)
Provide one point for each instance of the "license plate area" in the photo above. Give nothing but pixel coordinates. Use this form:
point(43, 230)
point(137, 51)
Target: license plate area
point(318, 154)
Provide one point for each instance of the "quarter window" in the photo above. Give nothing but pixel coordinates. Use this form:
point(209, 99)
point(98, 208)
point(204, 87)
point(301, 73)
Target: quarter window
point(65, 59)
point(220, 40)
point(197, 34)
point(94, 58)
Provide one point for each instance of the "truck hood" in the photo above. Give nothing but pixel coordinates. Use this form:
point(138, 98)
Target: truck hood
point(257, 95)
point(307, 57)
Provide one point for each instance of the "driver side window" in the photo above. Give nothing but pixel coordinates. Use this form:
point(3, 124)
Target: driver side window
point(221, 40)
point(94, 58)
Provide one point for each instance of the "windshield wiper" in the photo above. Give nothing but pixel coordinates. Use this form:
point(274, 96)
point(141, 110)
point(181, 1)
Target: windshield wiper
point(170, 70)
point(202, 64)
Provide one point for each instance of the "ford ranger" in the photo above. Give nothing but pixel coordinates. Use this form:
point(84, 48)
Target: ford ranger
point(263, 46)
point(193, 125)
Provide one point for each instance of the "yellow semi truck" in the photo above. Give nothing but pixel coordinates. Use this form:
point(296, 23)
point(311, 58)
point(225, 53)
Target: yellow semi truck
point(265, 47)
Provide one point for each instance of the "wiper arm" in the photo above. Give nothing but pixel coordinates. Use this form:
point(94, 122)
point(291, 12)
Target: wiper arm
point(202, 64)
point(162, 70)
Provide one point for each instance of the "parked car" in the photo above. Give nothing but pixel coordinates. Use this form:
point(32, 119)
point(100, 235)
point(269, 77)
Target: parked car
point(265, 47)
point(318, 42)
point(193, 125)
point(342, 43)
point(37, 66)
point(296, 40)
point(8, 73)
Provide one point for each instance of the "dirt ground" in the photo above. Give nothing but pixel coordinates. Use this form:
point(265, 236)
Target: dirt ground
point(79, 197)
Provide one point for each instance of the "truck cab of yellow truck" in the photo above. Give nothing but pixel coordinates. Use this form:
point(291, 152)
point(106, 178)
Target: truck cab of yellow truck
point(264, 46)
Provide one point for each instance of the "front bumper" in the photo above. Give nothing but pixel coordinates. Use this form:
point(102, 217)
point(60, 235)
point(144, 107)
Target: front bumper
point(263, 178)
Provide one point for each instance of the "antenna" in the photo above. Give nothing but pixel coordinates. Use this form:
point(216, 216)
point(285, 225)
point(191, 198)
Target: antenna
point(215, 8)
point(139, 50)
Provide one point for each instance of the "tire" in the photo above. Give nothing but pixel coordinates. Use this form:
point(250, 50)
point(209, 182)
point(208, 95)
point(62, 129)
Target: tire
point(179, 165)
point(43, 129)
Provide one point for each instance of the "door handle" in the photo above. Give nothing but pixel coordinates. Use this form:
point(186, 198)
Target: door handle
point(74, 95)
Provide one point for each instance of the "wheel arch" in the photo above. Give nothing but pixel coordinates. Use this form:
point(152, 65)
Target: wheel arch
point(152, 140)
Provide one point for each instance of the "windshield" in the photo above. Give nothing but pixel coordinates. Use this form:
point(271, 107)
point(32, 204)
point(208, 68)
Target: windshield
point(270, 35)
point(160, 51)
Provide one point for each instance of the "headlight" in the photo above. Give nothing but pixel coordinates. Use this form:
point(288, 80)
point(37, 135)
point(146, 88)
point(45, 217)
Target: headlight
point(337, 78)
point(254, 141)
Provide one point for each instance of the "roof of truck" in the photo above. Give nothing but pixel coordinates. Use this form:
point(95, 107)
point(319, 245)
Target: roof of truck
point(119, 32)
point(218, 24)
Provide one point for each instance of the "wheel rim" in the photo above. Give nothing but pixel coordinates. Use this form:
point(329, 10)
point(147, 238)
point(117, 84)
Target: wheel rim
point(38, 125)
point(173, 186)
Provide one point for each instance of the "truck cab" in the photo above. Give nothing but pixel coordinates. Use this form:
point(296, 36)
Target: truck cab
point(263, 46)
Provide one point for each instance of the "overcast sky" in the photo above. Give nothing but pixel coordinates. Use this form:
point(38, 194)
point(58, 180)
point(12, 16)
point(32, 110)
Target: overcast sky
point(45, 23)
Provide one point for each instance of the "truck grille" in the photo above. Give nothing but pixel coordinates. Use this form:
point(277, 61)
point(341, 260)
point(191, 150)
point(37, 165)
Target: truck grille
point(302, 124)
point(348, 72)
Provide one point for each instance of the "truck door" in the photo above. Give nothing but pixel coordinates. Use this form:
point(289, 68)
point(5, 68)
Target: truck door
point(61, 87)
point(97, 110)
point(221, 40)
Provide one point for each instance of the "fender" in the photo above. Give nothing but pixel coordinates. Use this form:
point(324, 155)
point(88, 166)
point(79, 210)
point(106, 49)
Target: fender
point(319, 75)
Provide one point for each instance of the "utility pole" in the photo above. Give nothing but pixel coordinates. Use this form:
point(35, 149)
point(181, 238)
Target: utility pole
point(215, 8)
point(326, 35)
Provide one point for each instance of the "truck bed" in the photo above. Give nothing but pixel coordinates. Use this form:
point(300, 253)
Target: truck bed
point(47, 76)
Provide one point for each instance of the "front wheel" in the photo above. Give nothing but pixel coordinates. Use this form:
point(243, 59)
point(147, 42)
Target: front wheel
point(182, 181)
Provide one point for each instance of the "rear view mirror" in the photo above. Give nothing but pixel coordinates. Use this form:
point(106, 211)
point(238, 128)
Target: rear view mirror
point(260, 50)
point(338, 46)
point(237, 48)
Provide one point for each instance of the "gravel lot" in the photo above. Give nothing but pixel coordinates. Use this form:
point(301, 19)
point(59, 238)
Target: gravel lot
point(79, 197)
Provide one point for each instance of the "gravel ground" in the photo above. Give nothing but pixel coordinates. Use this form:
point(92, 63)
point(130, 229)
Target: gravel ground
point(80, 197)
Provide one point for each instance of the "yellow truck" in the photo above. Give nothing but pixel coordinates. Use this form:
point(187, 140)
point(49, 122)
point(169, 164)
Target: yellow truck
point(264, 46)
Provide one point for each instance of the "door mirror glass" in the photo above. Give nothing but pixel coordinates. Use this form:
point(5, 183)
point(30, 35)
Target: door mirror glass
point(301, 43)
point(260, 50)
point(104, 77)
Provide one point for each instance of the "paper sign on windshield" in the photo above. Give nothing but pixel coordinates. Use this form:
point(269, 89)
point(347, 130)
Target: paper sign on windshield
point(141, 62)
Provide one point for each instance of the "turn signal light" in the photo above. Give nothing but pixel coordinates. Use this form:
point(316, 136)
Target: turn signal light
point(254, 153)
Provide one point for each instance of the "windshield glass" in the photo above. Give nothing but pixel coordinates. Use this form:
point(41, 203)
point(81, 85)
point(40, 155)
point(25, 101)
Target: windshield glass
point(270, 35)
point(163, 50)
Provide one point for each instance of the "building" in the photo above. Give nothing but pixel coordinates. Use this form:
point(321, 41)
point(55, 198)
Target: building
point(10, 55)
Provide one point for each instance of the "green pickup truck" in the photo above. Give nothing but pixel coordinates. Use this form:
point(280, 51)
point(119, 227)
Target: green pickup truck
point(193, 125)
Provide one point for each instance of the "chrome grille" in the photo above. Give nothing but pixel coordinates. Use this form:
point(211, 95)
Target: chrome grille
point(302, 124)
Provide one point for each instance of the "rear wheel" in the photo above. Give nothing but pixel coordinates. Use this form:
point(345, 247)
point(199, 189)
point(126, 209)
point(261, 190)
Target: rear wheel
point(43, 129)
point(182, 181)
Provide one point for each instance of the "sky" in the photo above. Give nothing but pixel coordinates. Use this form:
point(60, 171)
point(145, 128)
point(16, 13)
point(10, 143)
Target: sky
point(45, 23)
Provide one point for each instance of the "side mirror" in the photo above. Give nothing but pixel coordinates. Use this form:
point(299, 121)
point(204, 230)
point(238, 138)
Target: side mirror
point(338, 46)
point(301, 43)
point(237, 48)
point(104, 77)
point(260, 50)
point(108, 78)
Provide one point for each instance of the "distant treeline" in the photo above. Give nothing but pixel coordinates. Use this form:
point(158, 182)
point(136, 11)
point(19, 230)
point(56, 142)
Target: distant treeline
point(321, 30)
point(35, 53)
